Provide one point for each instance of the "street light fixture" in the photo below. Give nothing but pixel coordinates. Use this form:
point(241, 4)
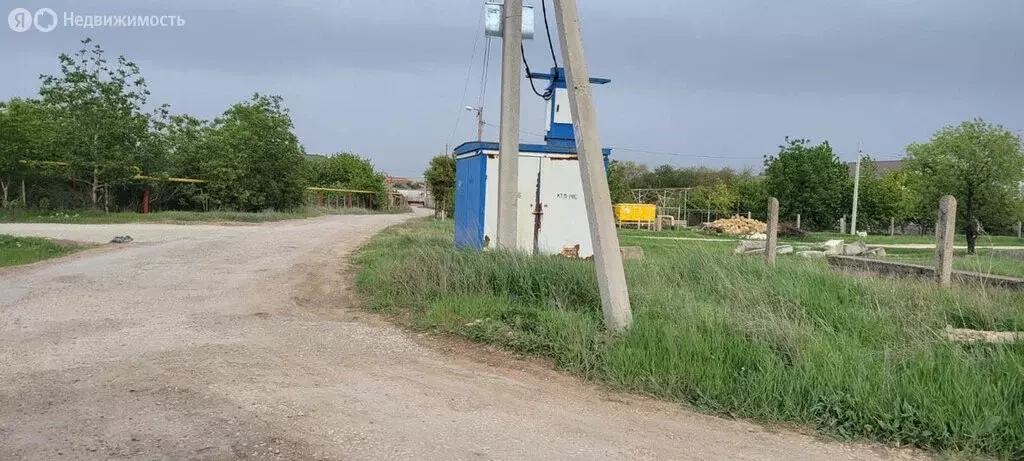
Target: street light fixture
point(479, 121)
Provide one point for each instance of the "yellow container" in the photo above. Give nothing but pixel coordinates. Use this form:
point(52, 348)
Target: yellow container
point(635, 212)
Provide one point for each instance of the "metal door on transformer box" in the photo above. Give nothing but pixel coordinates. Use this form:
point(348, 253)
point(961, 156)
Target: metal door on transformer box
point(562, 219)
point(526, 217)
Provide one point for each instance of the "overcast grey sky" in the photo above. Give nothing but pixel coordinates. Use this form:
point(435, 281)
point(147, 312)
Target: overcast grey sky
point(714, 78)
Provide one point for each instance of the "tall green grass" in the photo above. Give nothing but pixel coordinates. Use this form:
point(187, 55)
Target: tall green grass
point(853, 357)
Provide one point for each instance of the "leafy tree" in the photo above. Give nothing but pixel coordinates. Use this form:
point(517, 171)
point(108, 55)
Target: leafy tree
point(255, 161)
point(26, 128)
point(907, 198)
point(879, 199)
point(346, 171)
point(618, 182)
point(809, 180)
point(440, 176)
point(751, 194)
point(980, 164)
point(100, 120)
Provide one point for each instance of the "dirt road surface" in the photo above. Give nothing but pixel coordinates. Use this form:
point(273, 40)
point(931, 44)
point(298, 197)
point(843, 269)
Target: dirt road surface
point(221, 343)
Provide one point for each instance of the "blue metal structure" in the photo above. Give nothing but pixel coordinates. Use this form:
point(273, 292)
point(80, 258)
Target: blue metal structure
point(560, 131)
point(472, 163)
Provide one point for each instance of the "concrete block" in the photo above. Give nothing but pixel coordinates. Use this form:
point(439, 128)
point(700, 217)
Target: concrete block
point(855, 248)
point(632, 253)
point(834, 247)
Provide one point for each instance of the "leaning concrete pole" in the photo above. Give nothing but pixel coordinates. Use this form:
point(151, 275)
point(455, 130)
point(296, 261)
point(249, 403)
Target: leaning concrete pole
point(945, 231)
point(772, 233)
point(508, 154)
point(610, 275)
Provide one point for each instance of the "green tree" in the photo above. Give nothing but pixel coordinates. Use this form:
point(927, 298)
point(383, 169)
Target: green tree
point(809, 180)
point(100, 121)
point(26, 129)
point(907, 198)
point(254, 159)
point(440, 176)
point(980, 164)
point(346, 171)
point(751, 194)
point(618, 182)
point(879, 199)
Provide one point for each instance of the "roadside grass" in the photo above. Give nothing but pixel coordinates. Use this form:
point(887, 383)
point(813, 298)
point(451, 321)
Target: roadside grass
point(960, 240)
point(853, 357)
point(16, 251)
point(982, 262)
point(101, 217)
point(815, 237)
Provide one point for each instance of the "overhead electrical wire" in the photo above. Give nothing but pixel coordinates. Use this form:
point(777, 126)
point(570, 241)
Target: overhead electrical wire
point(548, 93)
point(547, 29)
point(469, 74)
point(484, 72)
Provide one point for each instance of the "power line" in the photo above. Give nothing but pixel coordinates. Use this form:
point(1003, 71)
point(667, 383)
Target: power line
point(520, 131)
point(551, 44)
point(469, 73)
point(546, 95)
point(676, 154)
point(484, 72)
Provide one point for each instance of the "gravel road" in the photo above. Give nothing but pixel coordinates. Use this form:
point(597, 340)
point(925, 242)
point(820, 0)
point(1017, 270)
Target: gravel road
point(244, 342)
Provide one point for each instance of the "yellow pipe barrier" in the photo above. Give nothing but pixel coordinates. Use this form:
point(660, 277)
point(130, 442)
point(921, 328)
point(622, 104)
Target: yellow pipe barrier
point(324, 189)
point(183, 180)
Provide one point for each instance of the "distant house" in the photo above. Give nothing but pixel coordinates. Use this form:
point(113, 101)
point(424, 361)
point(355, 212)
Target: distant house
point(414, 197)
point(884, 166)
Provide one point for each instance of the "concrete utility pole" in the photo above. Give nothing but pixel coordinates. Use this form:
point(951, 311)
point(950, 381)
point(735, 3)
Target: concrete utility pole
point(945, 231)
point(611, 276)
point(856, 192)
point(772, 242)
point(508, 155)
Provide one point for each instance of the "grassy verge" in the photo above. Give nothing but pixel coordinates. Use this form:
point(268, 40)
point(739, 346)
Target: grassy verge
point(981, 262)
point(852, 357)
point(983, 241)
point(15, 251)
point(100, 217)
point(817, 237)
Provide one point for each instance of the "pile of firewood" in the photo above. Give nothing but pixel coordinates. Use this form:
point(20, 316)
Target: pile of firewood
point(736, 225)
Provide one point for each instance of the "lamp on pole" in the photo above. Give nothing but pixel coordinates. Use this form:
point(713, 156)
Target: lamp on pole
point(479, 121)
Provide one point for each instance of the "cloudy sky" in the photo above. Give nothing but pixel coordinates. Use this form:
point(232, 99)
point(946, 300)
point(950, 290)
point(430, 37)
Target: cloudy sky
point(695, 82)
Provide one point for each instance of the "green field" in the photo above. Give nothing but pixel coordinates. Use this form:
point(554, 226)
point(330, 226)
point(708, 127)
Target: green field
point(983, 262)
point(100, 217)
point(15, 251)
point(852, 357)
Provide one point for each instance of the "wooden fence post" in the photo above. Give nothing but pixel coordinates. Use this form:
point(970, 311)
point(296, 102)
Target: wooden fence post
point(892, 226)
point(772, 232)
point(945, 231)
